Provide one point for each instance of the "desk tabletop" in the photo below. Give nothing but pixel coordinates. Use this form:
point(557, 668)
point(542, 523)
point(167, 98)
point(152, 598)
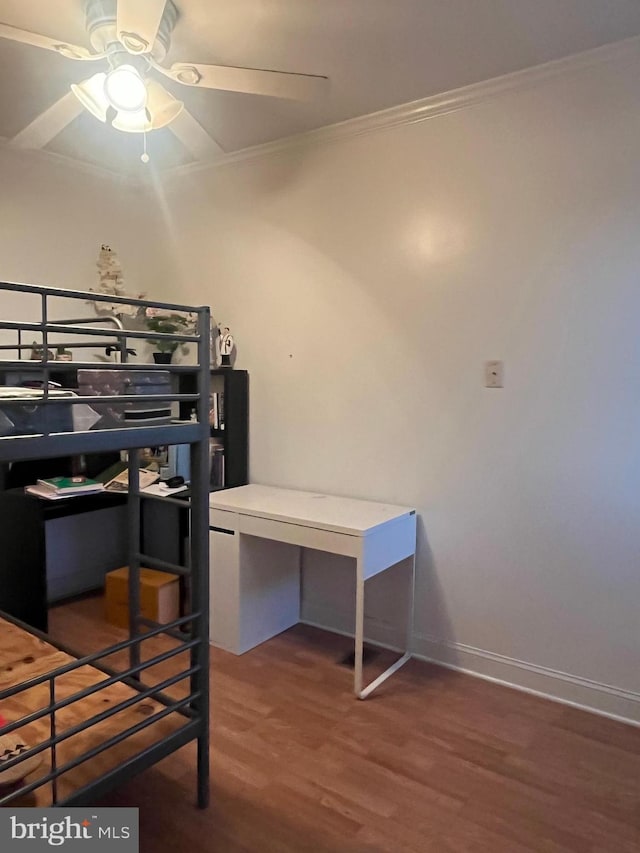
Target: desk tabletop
point(311, 509)
point(65, 506)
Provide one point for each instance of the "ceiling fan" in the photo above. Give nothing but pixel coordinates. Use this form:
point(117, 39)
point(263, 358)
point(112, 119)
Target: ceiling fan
point(132, 38)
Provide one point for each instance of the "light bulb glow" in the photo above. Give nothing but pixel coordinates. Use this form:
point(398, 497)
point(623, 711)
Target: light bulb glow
point(131, 122)
point(161, 109)
point(125, 89)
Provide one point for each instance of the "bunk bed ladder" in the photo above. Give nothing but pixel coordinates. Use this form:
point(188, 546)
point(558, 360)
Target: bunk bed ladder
point(199, 558)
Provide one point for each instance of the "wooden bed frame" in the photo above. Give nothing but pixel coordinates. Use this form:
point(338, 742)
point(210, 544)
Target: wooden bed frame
point(93, 726)
point(27, 659)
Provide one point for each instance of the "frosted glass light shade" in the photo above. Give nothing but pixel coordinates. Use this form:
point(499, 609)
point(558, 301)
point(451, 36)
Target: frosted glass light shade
point(129, 122)
point(162, 107)
point(91, 95)
point(125, 89)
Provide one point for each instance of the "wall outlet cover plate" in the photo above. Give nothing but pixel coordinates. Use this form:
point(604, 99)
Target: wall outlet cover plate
point(494, 374)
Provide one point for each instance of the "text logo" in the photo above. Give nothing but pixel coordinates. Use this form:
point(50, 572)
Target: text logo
point(26, 830)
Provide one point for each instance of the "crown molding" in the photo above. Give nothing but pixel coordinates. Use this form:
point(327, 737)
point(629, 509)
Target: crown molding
point(53, 158)
point(423, 109)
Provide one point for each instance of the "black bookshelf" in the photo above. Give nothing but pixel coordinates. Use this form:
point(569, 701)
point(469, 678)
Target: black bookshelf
point(233, 386)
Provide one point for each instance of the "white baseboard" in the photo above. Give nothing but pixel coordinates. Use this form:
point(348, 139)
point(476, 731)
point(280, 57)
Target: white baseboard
point(604, 699)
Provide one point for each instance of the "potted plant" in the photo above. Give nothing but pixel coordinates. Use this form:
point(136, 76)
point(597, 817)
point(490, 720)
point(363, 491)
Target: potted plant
point(171, 323)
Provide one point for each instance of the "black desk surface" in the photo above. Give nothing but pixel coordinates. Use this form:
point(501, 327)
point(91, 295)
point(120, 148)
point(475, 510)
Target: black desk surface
point(66, 506)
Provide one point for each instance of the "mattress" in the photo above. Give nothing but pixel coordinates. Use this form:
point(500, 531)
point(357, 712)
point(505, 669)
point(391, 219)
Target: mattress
point(24, 656)
point(26, 416)
point(136, 382)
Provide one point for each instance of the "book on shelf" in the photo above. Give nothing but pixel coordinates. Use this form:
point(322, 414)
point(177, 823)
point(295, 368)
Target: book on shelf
point(66, 486)
point(216, 410)
point(120, 483)
point(48, 495)
point(216, 466)
point(213, 411)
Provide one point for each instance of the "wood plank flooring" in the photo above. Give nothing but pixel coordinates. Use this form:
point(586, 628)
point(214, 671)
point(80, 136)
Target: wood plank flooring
point(434, 762)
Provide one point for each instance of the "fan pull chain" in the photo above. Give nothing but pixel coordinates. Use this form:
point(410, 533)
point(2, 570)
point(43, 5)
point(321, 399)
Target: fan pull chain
point(144, 156)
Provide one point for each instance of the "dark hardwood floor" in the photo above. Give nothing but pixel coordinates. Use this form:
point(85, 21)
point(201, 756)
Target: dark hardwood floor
point(434, 762)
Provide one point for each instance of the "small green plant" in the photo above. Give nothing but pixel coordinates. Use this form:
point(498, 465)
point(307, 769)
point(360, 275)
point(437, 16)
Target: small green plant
point(173, 323)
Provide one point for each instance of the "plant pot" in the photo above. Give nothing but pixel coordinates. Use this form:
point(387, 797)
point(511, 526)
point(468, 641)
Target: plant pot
point(162, 357)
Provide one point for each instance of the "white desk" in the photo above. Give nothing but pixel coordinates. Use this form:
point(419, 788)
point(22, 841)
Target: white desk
point(255, 571)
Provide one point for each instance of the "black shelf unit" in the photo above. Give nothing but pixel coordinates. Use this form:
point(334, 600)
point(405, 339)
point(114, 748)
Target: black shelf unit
point(234, 385)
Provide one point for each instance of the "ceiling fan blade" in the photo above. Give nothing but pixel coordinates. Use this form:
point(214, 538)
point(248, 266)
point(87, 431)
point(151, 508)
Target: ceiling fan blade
point(138, 22)
point(49, 123)
point(194, 137)
point(277, 84)
point(70, 51)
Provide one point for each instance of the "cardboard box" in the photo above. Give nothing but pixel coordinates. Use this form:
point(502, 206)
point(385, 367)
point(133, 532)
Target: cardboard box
point(159, 596)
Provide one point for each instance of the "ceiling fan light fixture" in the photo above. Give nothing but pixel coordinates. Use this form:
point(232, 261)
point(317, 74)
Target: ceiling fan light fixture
point(91, 95)
point(125, 89)
point(162, 107)
point(132, 122)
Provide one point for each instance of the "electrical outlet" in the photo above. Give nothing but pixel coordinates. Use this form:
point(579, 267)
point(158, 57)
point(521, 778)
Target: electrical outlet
point(493, 374)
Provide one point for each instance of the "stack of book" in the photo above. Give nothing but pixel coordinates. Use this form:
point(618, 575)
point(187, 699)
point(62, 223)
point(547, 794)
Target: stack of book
point(58, 488)
point(216, 410)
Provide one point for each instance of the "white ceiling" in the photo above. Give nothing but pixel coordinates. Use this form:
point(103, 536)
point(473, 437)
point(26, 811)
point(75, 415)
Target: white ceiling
point(377, 54)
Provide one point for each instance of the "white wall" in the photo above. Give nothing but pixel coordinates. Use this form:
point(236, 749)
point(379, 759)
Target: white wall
point(54, 218)
point(367, 281)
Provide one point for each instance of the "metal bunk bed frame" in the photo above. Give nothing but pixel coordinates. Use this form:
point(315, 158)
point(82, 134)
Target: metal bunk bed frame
point(190, 631)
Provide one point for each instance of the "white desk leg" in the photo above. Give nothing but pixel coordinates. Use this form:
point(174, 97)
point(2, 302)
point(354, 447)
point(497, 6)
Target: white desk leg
point(412, 607)
point(357, 672)
point(368, 690)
